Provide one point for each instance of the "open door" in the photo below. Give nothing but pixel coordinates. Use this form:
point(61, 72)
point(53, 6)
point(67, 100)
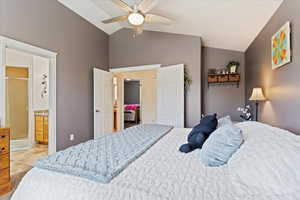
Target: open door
point(103, 102)
point(170, 96)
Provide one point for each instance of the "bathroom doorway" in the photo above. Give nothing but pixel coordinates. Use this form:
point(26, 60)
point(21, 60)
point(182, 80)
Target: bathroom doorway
point(37, 56)
point(26, 108)
point(132, 102)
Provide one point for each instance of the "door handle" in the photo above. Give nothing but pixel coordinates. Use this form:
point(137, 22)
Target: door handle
point(97, 111)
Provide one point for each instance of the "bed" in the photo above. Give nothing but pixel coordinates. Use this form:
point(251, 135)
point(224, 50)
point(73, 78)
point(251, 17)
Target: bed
point(264, 168)
point(131, 113)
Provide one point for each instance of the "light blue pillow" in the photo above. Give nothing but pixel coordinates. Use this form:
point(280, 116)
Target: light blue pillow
point(221, 145)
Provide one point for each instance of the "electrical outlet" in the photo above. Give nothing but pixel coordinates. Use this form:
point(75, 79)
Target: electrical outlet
point(71, 137)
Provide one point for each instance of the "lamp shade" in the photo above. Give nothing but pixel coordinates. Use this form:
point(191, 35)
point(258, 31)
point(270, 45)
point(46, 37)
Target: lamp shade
point(257, 95)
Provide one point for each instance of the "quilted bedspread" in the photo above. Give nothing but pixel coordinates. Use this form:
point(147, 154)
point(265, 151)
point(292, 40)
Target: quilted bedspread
point(105, 157)
point(265, 168)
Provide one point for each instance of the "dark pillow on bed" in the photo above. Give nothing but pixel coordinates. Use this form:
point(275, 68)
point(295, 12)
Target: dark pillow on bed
point(196, 138)
point(200, 133)
point(208, 124)
point(186, 148)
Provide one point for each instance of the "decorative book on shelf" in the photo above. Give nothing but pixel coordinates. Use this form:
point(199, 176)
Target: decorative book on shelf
point(224, 79)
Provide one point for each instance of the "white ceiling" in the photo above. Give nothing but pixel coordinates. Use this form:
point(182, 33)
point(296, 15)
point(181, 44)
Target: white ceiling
point(227, 24)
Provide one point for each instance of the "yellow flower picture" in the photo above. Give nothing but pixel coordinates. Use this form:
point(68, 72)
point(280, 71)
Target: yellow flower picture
point(281, 47)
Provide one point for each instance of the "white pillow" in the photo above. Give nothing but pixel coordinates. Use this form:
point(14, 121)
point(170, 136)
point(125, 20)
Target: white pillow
point(224, 121)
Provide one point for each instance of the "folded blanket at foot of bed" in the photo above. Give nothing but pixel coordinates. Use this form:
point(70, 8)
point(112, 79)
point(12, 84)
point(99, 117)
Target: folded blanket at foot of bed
point(105, 157)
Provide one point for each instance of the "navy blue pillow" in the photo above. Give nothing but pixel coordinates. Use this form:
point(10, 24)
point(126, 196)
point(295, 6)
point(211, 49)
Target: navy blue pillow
point(186, 148)
point(208, 124)
point(196, 138)
point(200, 133)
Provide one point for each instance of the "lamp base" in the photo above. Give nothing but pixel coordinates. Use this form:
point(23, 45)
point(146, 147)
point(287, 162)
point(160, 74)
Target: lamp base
point(256, 111)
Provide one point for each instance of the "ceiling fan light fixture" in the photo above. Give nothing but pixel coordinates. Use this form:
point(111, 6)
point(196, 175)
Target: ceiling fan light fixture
point(136, 19)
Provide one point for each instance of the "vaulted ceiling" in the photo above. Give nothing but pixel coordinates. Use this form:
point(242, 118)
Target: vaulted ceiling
point(227, 24)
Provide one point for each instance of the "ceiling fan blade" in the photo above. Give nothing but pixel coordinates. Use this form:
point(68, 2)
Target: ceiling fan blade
point(156, 19)
point(123, 5)
point(115, 19)
point(146, 5)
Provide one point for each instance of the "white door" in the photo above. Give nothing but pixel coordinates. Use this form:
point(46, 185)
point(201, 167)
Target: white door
point(103, 102)
point(170, 96)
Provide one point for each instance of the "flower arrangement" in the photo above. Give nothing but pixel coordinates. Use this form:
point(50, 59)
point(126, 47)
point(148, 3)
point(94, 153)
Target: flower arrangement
point(246, 113)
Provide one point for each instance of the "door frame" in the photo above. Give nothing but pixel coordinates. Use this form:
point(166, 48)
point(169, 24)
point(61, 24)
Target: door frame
point(131, 69)
point(6, 42)
point(135, 68)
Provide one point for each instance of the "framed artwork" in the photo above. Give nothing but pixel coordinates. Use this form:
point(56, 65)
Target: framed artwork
point(281, 46)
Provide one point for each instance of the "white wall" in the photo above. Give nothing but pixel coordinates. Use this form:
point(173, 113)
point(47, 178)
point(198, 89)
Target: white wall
point(40, 67)
point(16, 58)
point(37, 67)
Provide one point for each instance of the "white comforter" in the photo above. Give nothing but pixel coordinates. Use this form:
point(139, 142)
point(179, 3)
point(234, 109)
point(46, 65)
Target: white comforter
point(266, 167)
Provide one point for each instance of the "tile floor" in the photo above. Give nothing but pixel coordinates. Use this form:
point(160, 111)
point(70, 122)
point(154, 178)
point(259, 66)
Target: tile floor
point(21, 162)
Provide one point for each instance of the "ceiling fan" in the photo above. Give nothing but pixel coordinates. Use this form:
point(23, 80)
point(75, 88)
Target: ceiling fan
point(138, 15)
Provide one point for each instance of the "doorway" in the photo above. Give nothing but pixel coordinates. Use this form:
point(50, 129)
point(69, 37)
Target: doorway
point(161, 96)
point(132, 103)
point(135, 98)
point(7, 43)
point(26, 109)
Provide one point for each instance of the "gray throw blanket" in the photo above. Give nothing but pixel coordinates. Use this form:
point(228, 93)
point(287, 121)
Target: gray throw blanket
point(105, 157)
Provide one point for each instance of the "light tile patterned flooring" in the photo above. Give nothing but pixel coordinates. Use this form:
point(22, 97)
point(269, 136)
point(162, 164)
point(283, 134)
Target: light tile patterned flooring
point(21, 162)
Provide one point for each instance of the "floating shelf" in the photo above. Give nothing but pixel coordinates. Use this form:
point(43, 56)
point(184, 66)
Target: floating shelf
point(224, 79)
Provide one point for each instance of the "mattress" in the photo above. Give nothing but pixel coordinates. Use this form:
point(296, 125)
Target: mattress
point(163, 173)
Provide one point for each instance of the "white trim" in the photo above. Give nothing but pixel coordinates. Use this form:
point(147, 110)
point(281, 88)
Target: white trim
point(2, 82)
point(10, 43)
point(14, 44)
point(52, 106)
point(31, 122)
point(135, 68)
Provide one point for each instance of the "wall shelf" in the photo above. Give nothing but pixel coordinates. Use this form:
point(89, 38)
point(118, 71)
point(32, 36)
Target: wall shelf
point(224, 79)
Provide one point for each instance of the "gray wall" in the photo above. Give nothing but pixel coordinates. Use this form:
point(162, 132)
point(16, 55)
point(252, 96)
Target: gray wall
point(80, 46)
point(161, 48)
point(223, 100)
point(132, 92)
point(282, 85)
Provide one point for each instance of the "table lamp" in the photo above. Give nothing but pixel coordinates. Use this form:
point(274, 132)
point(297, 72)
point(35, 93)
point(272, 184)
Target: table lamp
point(257, 96)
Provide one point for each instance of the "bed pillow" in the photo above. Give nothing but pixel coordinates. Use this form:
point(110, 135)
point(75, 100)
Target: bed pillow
point(208, 124)
point(200, 133)
point(221, 145)
point(196, 139)
point(224, 120)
